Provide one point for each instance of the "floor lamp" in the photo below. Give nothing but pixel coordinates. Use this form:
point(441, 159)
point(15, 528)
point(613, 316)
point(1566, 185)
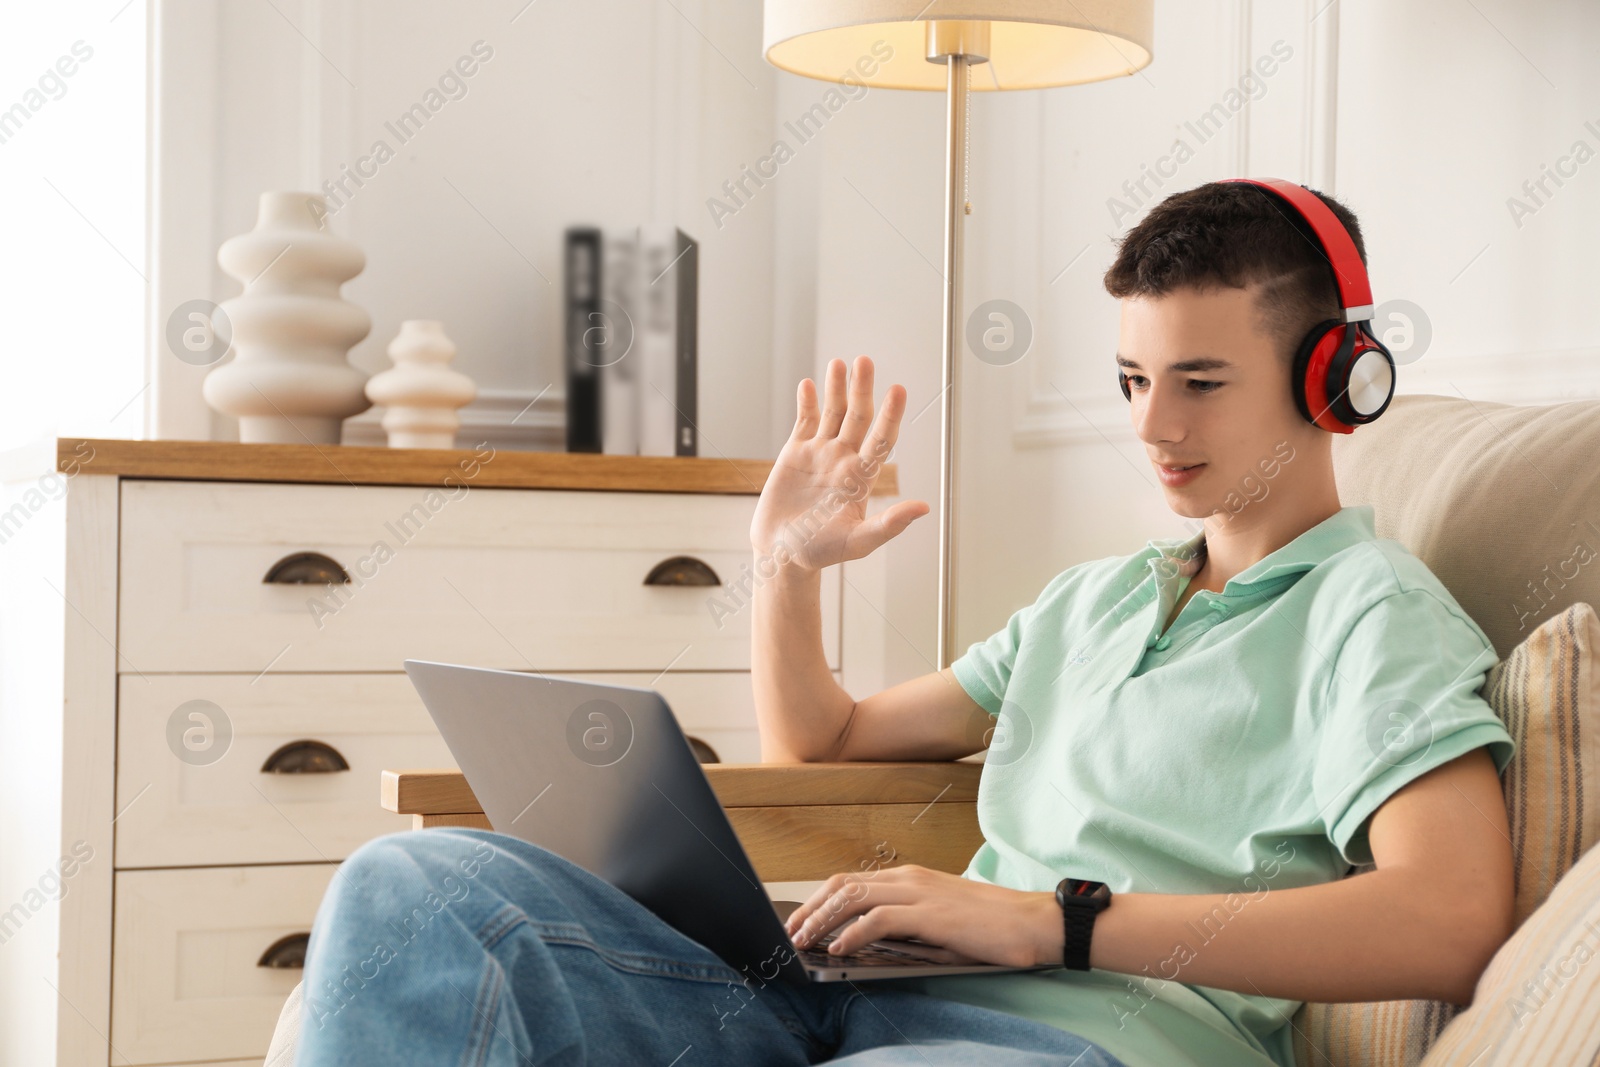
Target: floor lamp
point(934, 44)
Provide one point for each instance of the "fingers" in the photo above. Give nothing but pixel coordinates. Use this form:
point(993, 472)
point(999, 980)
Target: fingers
point(894, 520)
point(849, 896)
point(859, 415)
point(833, 401)
point(809, 905)
point(805, 422)
point(824, 903)
point(825, 909)
point(886, 920)
point(849, 417)
point(879, 530)
point(886, 429)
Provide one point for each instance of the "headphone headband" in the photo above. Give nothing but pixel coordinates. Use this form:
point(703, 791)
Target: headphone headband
point(1355, 291)
point(1343, 376)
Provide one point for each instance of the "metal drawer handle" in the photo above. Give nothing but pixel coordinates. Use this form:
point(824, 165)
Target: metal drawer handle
point(286, 952)
point(703, 752)
point(682, 570)
point(307, 568)
point(305, 757)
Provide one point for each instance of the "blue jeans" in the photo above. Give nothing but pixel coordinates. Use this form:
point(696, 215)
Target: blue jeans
point(456, 946)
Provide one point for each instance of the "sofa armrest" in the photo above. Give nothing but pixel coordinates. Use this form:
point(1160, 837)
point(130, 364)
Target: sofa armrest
point(797, 821)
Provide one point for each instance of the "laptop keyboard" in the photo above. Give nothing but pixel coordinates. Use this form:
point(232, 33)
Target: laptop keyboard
point(866, 956)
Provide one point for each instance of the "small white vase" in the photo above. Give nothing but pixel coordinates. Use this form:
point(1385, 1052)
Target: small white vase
point(290, 381)
point(421, 391)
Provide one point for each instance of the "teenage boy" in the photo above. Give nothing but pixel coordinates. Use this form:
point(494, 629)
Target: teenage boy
point(1217, 727)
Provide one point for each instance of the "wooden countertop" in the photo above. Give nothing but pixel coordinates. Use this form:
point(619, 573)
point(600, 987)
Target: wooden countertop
point(490, 469)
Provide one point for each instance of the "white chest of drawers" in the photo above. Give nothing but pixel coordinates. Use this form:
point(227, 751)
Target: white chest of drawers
point(195, 719)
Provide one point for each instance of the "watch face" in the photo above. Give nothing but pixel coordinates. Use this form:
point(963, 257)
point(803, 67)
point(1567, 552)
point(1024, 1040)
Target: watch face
point(1083, 887)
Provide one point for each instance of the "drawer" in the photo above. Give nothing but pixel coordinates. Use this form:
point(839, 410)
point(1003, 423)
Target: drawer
point(215, 805)
point(186, 982)
point(194, 810)
point(546, 579)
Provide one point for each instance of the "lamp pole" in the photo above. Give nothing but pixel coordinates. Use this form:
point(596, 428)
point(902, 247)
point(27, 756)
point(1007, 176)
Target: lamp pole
point(958, 45)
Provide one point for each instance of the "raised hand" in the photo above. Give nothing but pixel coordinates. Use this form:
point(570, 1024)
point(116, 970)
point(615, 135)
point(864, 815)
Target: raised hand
point(813, 508)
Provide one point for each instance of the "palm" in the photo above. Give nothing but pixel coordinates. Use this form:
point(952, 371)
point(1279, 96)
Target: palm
point(813, 508)
point(807, 508)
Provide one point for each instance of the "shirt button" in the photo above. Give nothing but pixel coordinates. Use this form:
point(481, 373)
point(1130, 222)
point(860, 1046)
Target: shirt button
point(1162, 644)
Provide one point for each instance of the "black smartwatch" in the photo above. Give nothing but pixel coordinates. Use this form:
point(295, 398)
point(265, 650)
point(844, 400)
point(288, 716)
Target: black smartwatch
point(1081, 900)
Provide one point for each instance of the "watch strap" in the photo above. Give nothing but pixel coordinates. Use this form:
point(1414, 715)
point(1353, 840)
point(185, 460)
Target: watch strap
point(1081, 901)
point(1078, 932)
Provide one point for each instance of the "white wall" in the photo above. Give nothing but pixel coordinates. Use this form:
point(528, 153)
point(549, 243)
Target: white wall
point(1423, 115)
point(72, 262)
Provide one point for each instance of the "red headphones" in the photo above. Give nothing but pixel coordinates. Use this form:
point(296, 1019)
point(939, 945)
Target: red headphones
point(1342, 373)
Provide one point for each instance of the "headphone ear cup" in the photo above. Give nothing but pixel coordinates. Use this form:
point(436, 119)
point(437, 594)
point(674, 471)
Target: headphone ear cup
point(1373, 344)
point(1325, 332)
point(1122, 380)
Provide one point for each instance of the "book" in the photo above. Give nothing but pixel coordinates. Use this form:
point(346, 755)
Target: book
point(666, 327)
point(582, 333)
point(615, 342)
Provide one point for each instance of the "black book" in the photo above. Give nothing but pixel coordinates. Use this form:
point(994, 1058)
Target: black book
point(584, 335)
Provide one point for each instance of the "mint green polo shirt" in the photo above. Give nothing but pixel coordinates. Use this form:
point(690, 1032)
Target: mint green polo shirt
point(1241, 751)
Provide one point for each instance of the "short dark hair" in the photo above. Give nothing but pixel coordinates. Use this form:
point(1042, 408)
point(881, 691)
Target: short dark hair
point(1233, 234)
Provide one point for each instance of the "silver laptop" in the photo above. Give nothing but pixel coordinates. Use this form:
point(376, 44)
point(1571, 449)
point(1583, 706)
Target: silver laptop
point(603, 776)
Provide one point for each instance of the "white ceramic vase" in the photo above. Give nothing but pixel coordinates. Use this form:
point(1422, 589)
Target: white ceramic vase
point(421, 391)
point(290, 381)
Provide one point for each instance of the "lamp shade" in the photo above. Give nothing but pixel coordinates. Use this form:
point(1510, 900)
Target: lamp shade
point(1033, 44)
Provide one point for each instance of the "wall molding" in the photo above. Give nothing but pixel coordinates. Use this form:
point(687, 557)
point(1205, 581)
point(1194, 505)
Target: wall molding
point(1059, 420)
point(1241, 60)
point(1549, 376)
point(1046, 418)
point(1321, 44)
point(180, 179)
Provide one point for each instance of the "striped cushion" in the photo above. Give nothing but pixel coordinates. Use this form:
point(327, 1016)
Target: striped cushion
point(1548, 695)
point(1539, 1000)
point(1547, 692)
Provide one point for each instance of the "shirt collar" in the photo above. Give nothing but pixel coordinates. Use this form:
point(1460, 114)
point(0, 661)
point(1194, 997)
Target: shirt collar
point(1350, 525)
